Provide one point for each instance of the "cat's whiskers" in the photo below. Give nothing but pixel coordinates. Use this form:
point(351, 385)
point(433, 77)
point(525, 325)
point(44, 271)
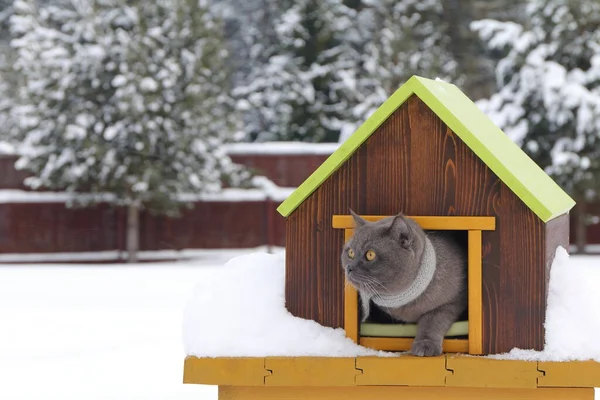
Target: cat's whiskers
point(378, 295)
point(376, 282)
point(369, 283)
point(372, 280)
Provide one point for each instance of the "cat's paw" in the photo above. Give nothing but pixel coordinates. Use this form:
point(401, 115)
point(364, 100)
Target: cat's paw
point(426, 348)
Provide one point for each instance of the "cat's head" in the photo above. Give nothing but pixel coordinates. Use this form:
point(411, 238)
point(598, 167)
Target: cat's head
point(383, 256)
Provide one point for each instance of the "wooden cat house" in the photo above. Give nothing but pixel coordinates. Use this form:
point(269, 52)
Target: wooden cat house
point(430, 153)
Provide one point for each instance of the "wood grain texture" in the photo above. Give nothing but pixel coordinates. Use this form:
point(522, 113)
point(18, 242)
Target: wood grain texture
point(425, 222)
point(557, 235)
point(311, 371)
point(314, 277)
point(351, 314)
point(243, 371)
point(490, 373)
point(398, 392)
point(474, 289)
point(450, 370)
point(569, 374)
point(405, 370)
point(521, 283)
point(413, 163)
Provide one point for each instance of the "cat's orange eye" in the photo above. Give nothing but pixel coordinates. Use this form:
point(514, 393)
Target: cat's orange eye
point(350, 253)
point(370, 255)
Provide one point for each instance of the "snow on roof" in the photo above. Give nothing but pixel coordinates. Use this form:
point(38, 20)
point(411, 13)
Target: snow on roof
point(238, 310)
point(283, 148)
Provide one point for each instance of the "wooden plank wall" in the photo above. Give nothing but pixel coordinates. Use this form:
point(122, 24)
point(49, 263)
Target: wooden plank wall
point(415, 164)
point(50, 227)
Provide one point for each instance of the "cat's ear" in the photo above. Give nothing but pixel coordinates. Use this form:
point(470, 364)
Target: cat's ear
point(357, 219)
point(400, 228)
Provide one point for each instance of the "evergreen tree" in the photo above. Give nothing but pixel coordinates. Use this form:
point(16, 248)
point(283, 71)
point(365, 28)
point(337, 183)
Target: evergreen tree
point(250, 33)
point(403, 38)
point(327, 65)
point(298, 92)
point(7, 83)
point(253, 40)
point(410, 38)
point(548, 97)
point(124, 97)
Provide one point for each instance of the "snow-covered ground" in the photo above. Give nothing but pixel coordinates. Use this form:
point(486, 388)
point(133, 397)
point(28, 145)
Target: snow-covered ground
point(115, 332)
point(97, 332)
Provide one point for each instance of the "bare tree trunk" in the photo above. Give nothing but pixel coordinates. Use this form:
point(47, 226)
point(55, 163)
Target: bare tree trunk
point(580, 227)
point(133, 232)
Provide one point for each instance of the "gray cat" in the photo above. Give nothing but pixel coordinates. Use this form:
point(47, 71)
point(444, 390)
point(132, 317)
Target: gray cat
point(414, 276)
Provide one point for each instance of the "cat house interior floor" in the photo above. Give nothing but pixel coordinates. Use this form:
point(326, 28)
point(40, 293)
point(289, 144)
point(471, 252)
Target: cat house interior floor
point(238, 310)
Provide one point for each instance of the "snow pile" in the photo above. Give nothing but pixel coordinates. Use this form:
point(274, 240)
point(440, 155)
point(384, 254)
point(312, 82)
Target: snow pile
point(572, 321)
point(238, 311)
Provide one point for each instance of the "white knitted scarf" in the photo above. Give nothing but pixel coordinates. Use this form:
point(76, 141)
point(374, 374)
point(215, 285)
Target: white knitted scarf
point(424, 277)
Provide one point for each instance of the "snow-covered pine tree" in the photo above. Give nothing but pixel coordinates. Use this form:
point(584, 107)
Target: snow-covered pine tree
point(404, 38)
point(548, 95)
point(7, 84)
point(249, 32)
point(124, 97)
point(410, 38)
point(252, 40)
point(333, 62)
point(298, 93)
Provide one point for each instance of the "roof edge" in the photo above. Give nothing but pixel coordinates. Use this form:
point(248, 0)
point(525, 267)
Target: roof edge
point(489, 158)
point(347, 148)
point(451, 116)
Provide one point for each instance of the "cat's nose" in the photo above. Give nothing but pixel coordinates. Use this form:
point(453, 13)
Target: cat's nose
point(349, 268)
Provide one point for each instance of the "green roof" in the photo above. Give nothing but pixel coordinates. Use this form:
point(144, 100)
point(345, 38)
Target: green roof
point(519, 172)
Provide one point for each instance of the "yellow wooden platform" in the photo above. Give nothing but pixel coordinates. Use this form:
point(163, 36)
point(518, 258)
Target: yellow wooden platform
point(448, 376)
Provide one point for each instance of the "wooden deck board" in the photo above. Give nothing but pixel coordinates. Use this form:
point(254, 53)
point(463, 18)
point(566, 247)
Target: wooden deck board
point(450, 370)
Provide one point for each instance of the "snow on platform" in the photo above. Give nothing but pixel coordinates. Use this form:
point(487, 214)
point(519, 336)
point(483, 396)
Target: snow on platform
point(238, 310)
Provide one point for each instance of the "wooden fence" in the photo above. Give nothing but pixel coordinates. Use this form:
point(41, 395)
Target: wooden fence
point(40, 223)
point(44, 225)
